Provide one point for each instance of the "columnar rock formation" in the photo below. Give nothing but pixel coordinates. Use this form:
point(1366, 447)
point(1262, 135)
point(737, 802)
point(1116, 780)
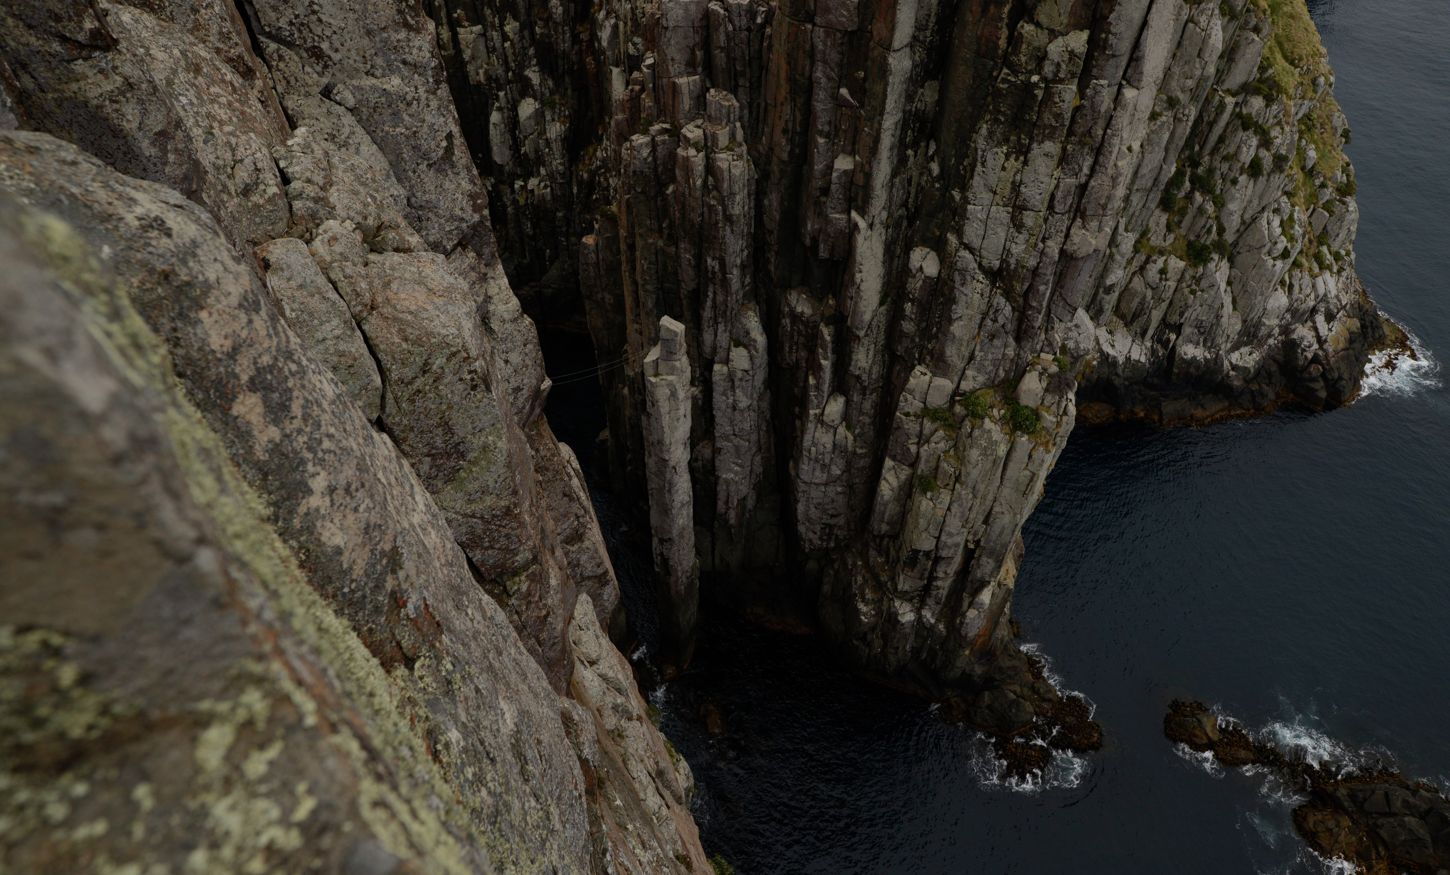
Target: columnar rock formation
point(906, 238)
point(671, 514)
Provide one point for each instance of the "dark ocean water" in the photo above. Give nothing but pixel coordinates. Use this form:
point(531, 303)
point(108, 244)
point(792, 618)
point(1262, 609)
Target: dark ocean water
point(1292, 569)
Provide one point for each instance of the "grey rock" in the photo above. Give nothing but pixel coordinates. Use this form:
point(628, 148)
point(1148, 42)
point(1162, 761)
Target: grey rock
point(318, 315)
point(643, 782)
point(166, 668)
point(376, 153)
point(851, 217)
point(377, 550)
point(667, 460)
point(144, 93)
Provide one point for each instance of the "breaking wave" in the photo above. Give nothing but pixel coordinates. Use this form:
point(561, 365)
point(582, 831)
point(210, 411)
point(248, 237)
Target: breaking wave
point(1065, 771)
point(1335, 865)
point(1035, 651)
point(1299, 741)
point(1203, 760)
point(1400, 372)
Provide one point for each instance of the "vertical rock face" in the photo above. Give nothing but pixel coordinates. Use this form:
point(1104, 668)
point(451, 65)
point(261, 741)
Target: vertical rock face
point(175, 97)
point(667, 390)
point(187, 680)
point(905, 239)
point(372, 383)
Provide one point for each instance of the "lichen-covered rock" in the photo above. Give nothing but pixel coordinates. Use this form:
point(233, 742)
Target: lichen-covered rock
point(561, 481)
point(635, 775)
point(367, 537)
point(170, 97)
point(372, 154)
point(450, 417)
point(173, 692)
point(376, 61)
point(387, 276)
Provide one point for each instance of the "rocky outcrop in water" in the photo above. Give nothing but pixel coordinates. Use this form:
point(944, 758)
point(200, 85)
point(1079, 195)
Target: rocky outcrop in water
point(907, 240)
point(1028, 719)
point(347, 421)
point(1365, 813)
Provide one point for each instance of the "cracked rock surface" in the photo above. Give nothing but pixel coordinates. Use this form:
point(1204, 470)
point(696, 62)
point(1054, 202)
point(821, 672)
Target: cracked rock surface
point(281, 193)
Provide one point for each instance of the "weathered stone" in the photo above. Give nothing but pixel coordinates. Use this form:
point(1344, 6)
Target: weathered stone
point(376, 61)
point(141, 91)
point(1358, 810)
point(367, 536)
point(638, 778)
point(173, 692)
point(376, 548)
point(314, 310)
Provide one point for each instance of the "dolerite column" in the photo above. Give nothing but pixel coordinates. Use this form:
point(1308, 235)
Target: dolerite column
point(667, 470)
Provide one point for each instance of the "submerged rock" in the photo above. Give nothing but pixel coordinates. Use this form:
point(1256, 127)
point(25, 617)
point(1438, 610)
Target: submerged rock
point(1365, 813)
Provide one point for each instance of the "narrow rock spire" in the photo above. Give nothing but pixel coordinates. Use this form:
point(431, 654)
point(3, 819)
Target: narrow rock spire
point(671, 501)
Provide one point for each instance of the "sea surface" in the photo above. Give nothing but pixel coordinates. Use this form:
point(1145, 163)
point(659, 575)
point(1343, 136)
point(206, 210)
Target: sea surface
point(1294, 570)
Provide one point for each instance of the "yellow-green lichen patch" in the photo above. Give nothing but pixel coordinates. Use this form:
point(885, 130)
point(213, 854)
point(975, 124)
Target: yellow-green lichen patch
point(248, 826)
point(45, 712)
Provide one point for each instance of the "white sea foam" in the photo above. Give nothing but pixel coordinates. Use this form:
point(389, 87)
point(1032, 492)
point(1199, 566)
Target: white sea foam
point(1202, 759)
point(1334, 865)
point(1064, 771)
point(1275, 790)
point(1295, 739)
point(1396, 372)
point(1316, 748)
point(1308, 861)
point(1035, 650)
point(1269, 832)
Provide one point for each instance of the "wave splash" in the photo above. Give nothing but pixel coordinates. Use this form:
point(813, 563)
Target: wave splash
point(1204, 761)
point(1065, 769)
point(1401, 371)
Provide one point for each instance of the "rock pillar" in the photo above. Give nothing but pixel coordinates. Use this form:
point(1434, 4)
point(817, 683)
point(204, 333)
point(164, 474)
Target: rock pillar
point(667, 470)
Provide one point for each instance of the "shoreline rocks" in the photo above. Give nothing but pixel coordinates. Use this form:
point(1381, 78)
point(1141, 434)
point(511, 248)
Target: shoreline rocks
point(1386, 347)
point(1028, 718)
point(1367, 814)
